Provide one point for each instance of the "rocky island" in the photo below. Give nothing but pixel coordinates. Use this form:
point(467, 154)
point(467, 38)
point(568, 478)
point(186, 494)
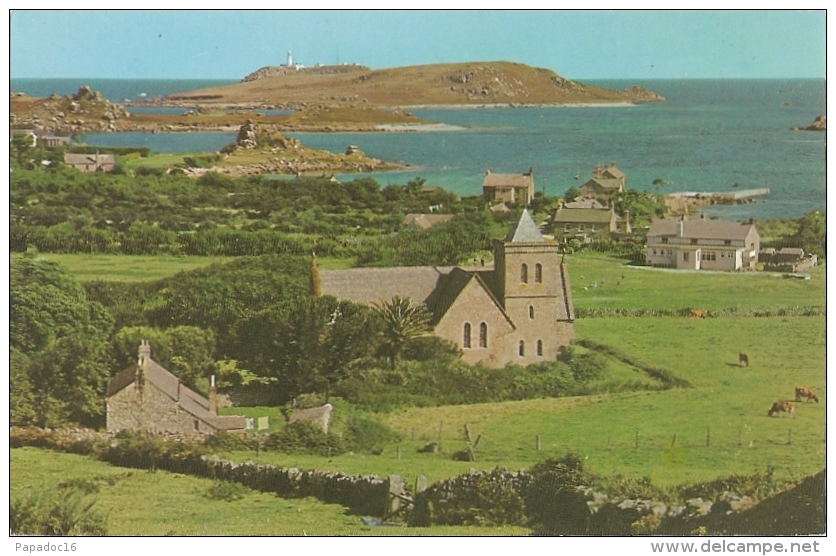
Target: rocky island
point(819, 124)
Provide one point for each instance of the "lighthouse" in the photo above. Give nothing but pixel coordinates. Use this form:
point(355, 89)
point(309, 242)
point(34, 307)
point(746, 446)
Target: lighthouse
point(289, 59)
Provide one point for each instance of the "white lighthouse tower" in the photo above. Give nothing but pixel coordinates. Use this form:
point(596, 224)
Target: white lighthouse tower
point(289, 59)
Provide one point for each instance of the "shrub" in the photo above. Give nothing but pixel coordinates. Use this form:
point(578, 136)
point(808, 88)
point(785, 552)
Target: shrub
point(62, 514)
point(364, 434)
point(223, 441)
point(304, 437)
point(553, 504)
point(226, 491)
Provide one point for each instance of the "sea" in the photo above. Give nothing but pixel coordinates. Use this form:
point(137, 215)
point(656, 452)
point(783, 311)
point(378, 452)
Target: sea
point(710, 135)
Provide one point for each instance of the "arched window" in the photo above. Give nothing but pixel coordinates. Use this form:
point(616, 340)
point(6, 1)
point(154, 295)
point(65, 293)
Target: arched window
point(522, 348)
point(538, 273)
point(531, 312)
point(540, 348)
point(483, 335)
point(466, 338)
point(524, 273)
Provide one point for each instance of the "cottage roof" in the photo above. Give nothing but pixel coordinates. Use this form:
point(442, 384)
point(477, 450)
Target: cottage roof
point(604, 183)
point(613, 171)
point(370, 285)
point(525, 230)
point(508, 180)
point(186, 398)
point(500, 207)
point(582, 216)
point(701, 229)
point(424, 221)
point(584, 202)
point(74, 158)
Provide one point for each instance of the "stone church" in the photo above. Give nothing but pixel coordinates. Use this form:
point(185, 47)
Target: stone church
point(518, 312)
point(147, 398)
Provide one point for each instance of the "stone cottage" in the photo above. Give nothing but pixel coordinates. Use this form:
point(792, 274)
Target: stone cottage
point(520, 311)
point(145, 397)
point(508, 188)
point(703, 244)
point(606, 181)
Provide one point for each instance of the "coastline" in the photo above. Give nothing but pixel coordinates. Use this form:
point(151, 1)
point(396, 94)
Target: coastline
point(623, 104)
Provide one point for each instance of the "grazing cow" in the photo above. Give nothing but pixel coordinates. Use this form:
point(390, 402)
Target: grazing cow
point(743, 359)
point(696, 313)
point(806, 393)
point(781, 407)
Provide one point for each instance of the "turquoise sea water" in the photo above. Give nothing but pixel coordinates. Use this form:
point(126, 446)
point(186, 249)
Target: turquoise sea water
point(709, 135)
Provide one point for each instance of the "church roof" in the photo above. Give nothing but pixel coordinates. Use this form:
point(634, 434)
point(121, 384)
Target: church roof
point(370, 285)
point(525, 231)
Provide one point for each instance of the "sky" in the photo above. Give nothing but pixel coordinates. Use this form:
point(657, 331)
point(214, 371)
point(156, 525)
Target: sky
point(580, 44)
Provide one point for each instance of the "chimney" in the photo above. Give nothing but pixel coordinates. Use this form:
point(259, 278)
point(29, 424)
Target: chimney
point(144, 353)
point(680, 227)
point(488, 173)
point(213, 397)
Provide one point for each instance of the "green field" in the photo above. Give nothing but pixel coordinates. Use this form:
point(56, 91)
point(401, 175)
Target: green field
point(717, 427)
point(159, 503)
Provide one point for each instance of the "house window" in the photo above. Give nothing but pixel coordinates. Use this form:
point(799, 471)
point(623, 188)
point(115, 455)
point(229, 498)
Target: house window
point(522, 348)
point(524, 273)
point(664, 240)
point(483, 335)
point(693, 242)
point(580, 228)
point(708, 256)
point(538, 273)
point(466, 336)
point(727, 242)
point(567, 229)
point(540, 348)
point(685, 256)
point(531, 312)
point(196, 425)
point(593, 229)
point(654, 251)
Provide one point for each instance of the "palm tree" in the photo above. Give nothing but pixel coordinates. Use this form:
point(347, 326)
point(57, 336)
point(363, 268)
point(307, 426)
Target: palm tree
point(403, 321)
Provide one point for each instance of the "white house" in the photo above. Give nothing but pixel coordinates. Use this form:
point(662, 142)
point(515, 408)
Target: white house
point(703, 244)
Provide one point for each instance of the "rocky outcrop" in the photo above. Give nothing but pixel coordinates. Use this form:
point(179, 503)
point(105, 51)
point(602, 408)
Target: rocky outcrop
point(819, 124)
point(268, 72)
point(84, 111)
point(639, 94)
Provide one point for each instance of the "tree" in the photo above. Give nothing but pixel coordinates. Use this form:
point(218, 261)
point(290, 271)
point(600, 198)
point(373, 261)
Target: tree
point(812, 233)
point(403, 321)
point(47, 303)
point(68, 381)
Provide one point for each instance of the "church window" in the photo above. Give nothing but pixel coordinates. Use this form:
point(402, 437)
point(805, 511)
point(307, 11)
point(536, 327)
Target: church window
point(531, 311)
point(524, 273)
point(538, 273)
point(483, 335)
point(466, 338)
point(540, 348)
point(196, 425)
point(522, 348)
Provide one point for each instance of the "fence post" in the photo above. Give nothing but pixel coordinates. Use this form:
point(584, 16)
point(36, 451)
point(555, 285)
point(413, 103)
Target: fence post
point(609, 442)
point(637, 439)
point(708, 438)
point(740, 437)
point(673, 442)
point(790, 438)
point(399, 451)
point(538, 443)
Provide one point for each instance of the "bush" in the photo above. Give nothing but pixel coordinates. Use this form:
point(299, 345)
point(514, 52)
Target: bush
point(226, 491)
point(306, 438)
point(62, 514)
point(223, 441)
point(553, 504)
point(368, 435)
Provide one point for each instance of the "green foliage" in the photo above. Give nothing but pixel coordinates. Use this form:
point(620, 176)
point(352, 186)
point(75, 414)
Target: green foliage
point(758, 485)
point(403, 321)
point(226, 491)
point(55, 514)
point(588, 366)
point(553, 504)
point(21, 397)
point(201, 161)
point(304, 437)
point(812, 233)
point(571, 194)
point(367, 435)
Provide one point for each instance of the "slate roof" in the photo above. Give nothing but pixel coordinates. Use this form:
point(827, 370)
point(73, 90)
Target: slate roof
point(584, 202)
point(74, 159)
point(582, 216)
point(424, 221)
point(701, 229)
point(613, 170)
point(525, 230)
point(508, 180)
point(604, 183)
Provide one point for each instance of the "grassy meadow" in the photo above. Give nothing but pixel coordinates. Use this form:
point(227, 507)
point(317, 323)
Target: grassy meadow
point(159, 503)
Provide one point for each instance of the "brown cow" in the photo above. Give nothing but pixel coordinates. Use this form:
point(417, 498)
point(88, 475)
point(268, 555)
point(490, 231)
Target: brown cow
point(781, 407)
point(743, 359)
point(806, 393)
point(696, 313)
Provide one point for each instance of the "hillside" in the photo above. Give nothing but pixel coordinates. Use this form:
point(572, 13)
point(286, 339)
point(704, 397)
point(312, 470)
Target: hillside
point(472, 83)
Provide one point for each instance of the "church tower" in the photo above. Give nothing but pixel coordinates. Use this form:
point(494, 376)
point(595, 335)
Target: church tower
point(533, 287)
